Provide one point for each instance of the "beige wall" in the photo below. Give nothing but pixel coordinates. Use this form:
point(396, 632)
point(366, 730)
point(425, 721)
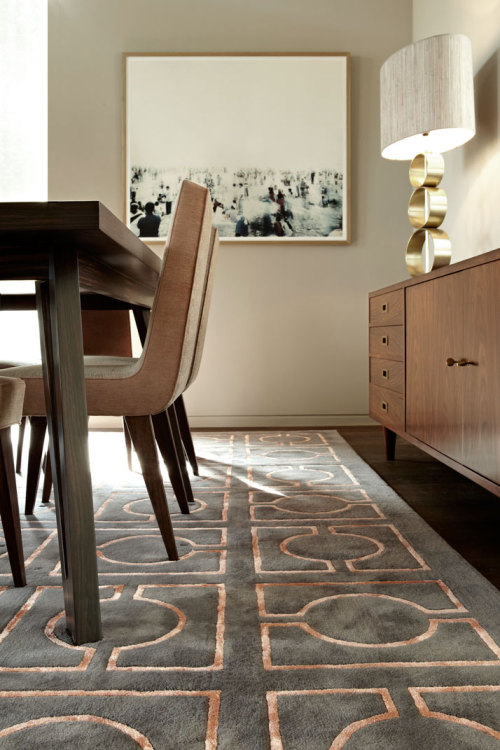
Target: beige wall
point(287, 338)
point(472, 172)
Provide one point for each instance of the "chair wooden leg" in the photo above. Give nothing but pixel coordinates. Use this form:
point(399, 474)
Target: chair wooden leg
point(47, 479)
point(187, 440)
point(128, 445)
point(38, 427)
point(20, 441)
point(176, 434)
point(9, 510)
point(141, 433)
point(168, 449)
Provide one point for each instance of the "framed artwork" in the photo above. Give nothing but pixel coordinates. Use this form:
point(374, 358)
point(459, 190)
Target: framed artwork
point(267, 134)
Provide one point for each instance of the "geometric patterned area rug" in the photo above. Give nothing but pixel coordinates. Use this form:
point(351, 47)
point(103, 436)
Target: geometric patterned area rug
point(311, 608)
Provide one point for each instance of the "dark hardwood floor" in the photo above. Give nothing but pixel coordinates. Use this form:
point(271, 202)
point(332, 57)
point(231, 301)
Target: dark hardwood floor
point(464, 514)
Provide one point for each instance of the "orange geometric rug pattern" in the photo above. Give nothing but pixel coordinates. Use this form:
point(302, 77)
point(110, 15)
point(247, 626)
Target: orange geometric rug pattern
point(309, 608)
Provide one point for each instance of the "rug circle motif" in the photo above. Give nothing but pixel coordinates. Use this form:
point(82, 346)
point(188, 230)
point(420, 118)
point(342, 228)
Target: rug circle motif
point(148, 549)
point(133, 622)
point(290, 454)
point(312, 503)
point(431, 732)
point(368, 620)
point(87, 732)
point(308, 476)
point(335, 547)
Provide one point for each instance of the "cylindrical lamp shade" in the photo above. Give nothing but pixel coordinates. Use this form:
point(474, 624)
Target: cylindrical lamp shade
point(427, 97)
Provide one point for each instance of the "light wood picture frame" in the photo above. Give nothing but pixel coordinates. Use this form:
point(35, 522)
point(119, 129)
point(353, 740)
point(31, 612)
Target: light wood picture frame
point(268, 134)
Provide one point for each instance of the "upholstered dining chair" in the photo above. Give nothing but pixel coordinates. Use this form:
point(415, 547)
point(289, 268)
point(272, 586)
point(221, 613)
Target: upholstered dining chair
point(181, 431)
point(11, 409)
point(139, 389)
point(107, 333)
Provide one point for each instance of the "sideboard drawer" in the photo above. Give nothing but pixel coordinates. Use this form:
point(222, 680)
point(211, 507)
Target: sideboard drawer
point(387, 407)
point(387, 342)
point(387, 309)
point(387, 374)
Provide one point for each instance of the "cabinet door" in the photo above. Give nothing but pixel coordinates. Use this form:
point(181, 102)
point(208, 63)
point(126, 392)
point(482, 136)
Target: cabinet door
point(482, 382)
point(434, 332)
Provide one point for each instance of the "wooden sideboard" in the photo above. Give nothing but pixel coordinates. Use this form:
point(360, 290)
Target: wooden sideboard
point(435, 365)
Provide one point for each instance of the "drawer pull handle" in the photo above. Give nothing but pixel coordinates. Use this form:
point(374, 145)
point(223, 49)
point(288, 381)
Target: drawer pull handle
point(385, 307)
point(385, 406)
point(459, 362)
point(385, 340)
point(385, 374)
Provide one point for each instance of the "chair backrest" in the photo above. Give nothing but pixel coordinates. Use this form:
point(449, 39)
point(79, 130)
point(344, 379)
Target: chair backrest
point(202, 328)
point(106, 333)
point(167, 358)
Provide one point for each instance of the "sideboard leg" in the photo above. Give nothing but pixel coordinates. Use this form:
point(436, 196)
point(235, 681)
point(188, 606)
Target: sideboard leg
point(390, 444)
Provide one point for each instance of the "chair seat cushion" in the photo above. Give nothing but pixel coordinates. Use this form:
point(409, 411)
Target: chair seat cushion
point(95, 367)
point(11, 401)
point(107, 370)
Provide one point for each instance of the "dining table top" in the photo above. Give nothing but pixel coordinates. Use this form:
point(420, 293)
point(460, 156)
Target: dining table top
point(113, 261)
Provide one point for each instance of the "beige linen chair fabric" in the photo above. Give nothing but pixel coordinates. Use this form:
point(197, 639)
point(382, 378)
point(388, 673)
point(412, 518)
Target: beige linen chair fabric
point(202, 328)
point(146, 386)
point(11, 409)
point(117, 336)
point(11, 401)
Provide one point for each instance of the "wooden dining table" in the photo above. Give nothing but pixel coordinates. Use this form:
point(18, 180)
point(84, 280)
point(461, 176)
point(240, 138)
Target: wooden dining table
point(73, 248)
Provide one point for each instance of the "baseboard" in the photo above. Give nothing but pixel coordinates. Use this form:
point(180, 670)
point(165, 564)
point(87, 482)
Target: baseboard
point(247, 421)
point(278, 421)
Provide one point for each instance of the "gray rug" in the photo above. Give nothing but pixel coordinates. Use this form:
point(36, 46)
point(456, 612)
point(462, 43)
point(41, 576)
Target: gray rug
point(311, 609)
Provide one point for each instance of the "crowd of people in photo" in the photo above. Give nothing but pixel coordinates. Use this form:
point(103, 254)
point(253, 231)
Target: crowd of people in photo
point(246, 202)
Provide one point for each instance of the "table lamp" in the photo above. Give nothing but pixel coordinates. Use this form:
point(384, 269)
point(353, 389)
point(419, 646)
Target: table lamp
point(426, 108)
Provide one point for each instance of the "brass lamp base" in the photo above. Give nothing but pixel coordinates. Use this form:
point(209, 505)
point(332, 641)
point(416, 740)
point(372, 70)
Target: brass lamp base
point(428, 247)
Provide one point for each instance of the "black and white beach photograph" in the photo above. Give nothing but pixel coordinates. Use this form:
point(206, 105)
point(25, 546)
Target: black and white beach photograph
point(267, 135)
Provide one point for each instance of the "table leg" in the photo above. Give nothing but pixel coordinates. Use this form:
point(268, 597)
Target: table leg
point(58, 303)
